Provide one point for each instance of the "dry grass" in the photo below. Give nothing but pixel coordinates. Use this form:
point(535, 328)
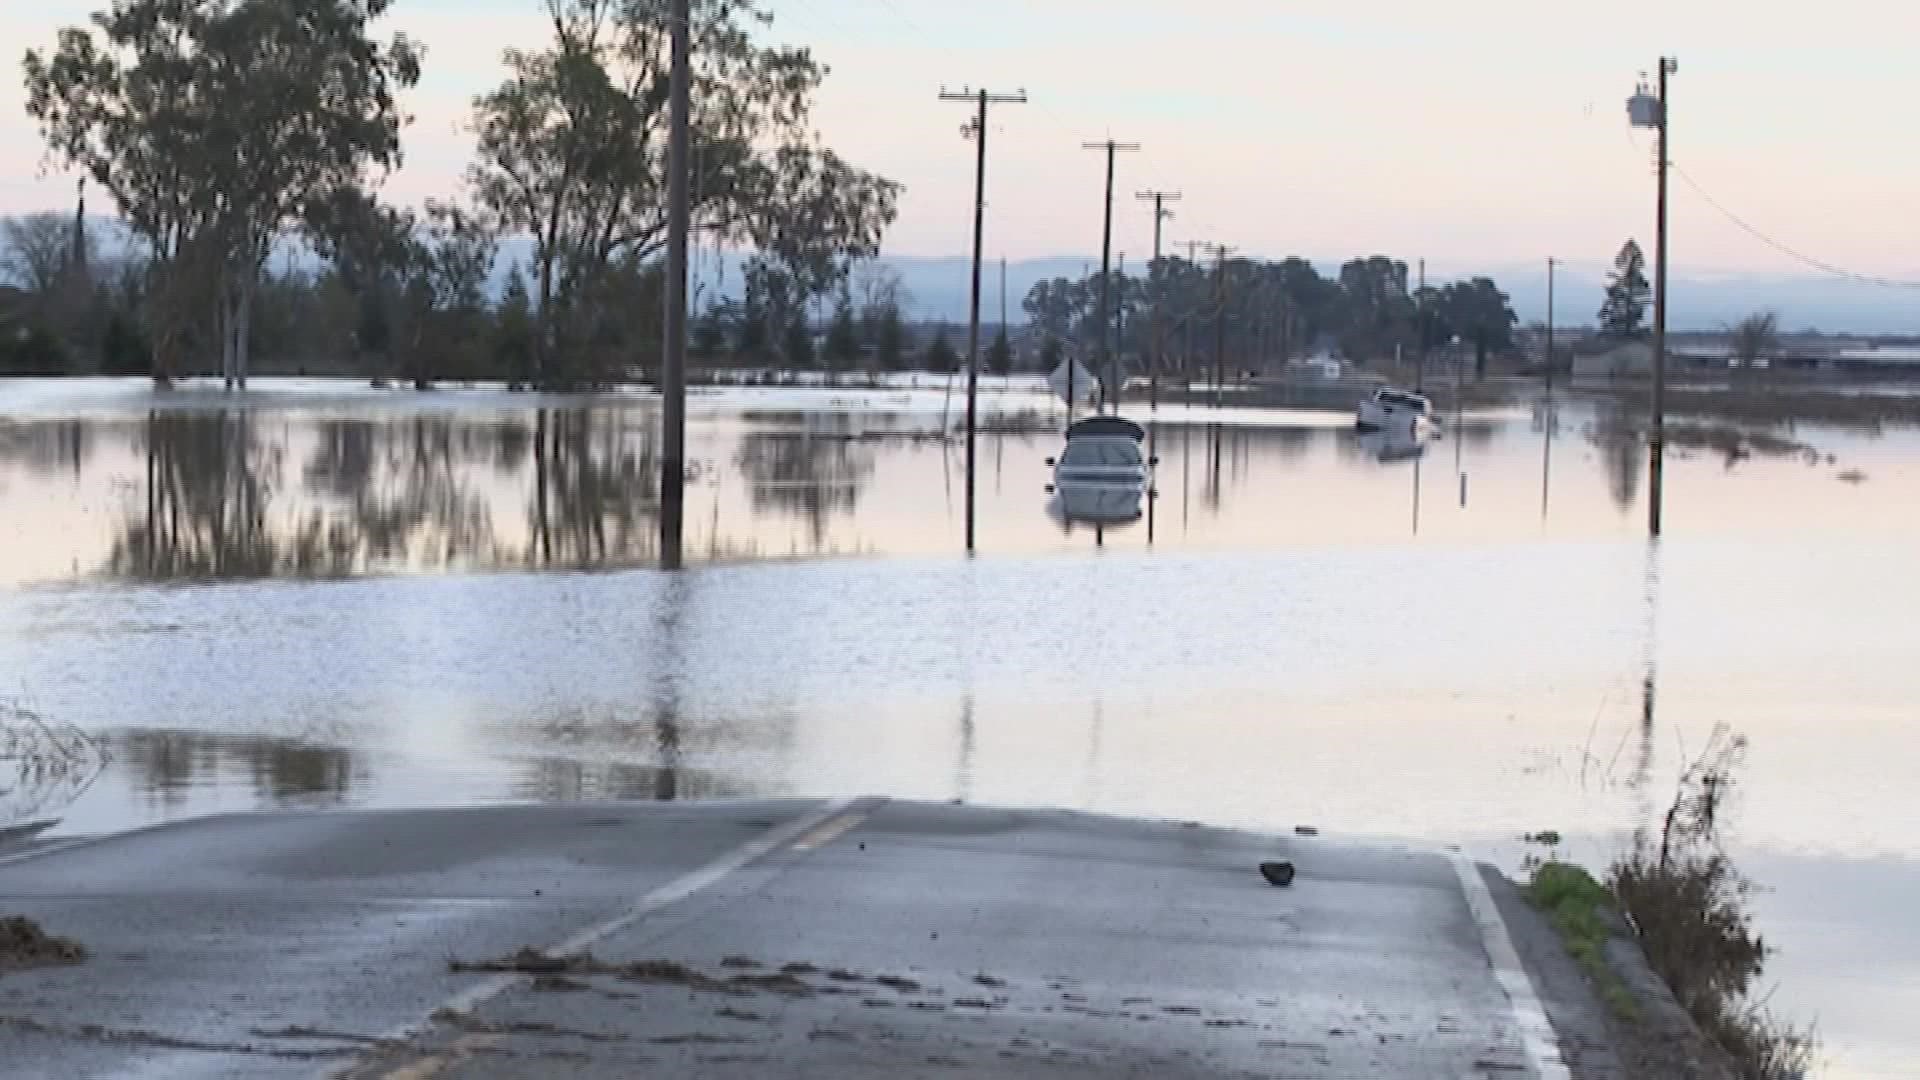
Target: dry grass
point(1688, 902)
point(1784, 406)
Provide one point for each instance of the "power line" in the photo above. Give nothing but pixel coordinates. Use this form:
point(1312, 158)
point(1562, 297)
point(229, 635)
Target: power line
point(1809, 261)
point(1798, 256)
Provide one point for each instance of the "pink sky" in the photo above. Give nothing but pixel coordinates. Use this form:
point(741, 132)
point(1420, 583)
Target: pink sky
point(1474, 133)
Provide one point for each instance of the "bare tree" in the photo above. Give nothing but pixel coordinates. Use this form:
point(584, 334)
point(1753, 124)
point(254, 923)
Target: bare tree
point(34, 250)
point(1756, 337)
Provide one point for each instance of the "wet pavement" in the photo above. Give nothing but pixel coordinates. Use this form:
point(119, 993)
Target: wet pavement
point(858, 938)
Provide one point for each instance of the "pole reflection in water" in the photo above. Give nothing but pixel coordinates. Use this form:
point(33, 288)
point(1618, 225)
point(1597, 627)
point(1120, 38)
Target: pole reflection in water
point(1549, 420)
point(1416, 496)
point(1153, 476)
point(1649, 680)
point(963, 761)
point(1096, 730)
point(1212, 494)
point(669, 673)
point(1186, 477)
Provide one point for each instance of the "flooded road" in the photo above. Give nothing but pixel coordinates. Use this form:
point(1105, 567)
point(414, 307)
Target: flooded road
point(350, 598)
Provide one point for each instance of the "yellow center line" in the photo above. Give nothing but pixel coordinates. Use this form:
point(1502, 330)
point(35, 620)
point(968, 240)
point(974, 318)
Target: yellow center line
point(831, 831)
point(433, 1065)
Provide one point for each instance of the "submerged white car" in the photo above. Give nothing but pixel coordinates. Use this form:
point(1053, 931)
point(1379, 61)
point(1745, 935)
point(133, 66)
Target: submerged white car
point(1395, 410)
point(1103, 451)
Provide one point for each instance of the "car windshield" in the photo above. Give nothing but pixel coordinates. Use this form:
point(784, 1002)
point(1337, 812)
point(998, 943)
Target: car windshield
point(1115, 452)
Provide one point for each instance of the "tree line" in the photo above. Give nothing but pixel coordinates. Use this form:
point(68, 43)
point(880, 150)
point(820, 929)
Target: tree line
point(1267, 312)
point(228, 135)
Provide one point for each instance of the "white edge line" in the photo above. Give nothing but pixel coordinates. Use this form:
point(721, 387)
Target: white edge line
point(671, 893)
point(1536, 1031)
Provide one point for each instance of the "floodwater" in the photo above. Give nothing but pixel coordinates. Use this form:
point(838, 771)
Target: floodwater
point(330, 596)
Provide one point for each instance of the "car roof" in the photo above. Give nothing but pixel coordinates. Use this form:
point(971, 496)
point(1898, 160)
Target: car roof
point(1108, 426)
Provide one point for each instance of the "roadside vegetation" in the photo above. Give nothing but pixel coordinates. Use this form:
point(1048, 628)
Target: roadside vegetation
point(42, 768)
point(1686, 904)
point(1776, 405)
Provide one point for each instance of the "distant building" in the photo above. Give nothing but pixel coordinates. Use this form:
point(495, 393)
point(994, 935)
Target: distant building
point(1602, 359)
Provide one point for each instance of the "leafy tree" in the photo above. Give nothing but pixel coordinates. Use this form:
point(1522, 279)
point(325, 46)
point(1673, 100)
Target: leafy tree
point(572, 150)
point(123, 348)
point(1051, 354)
point(1479, 312)
point(889, 336)
point(797, 345)
point(513, 331)
point(374, 252)
point(1377, 308)
point(1000, 354)
point(709, 330)
point(1628, 294)
point(1054, 307)
point(449, 263)
point(940, 356)
point(214, 126)
point(1308, 303)
point(843, 340)
point(29, 348)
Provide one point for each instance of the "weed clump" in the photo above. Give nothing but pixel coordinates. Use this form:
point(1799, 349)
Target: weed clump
point(1688, 904)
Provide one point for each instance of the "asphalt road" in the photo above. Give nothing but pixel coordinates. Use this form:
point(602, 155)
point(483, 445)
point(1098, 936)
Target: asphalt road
point(870, 938)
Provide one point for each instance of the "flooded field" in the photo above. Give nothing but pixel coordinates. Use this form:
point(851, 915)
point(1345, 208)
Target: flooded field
point(332, 596)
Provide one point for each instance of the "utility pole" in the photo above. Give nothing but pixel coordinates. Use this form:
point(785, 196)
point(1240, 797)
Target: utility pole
point(1426, 331)
point(1154, 275)
point(1106, 290)
point(1186, 357)
point(1551, 264)
point(1657, 436)
point(673, 362)
point(1220, 253)
point(1119, 323)
point(978, 130)
point(1003, 304)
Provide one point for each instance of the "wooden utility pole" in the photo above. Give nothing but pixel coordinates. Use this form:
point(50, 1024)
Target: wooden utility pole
point(1657, 434)
point(1105, 351)
point(1552, 263)
point(978, 131)
point(1003, 304)
point(1186, 356)
point(673, 358)
point(1426, 331)
point(1156, 278)
point(1220, 253)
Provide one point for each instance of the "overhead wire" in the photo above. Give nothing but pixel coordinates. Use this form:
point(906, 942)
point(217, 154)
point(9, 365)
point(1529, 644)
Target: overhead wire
point(1812, 262)
point(1821, 265)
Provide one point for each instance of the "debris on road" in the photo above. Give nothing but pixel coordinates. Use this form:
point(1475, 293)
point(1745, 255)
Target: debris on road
point(1278, 874)
point(23, 945)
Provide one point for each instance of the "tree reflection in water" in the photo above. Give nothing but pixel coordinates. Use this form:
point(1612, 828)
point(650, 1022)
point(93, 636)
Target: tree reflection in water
point(1616, 432)
point(596, 488)
point(167, 766)
point(208, 482)
point(380, 494)
point(812, 474)
point(47, 448)
point(405, 484)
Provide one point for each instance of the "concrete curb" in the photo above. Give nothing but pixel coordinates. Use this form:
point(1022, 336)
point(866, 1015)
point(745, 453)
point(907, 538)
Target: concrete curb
point(1663, 1021)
